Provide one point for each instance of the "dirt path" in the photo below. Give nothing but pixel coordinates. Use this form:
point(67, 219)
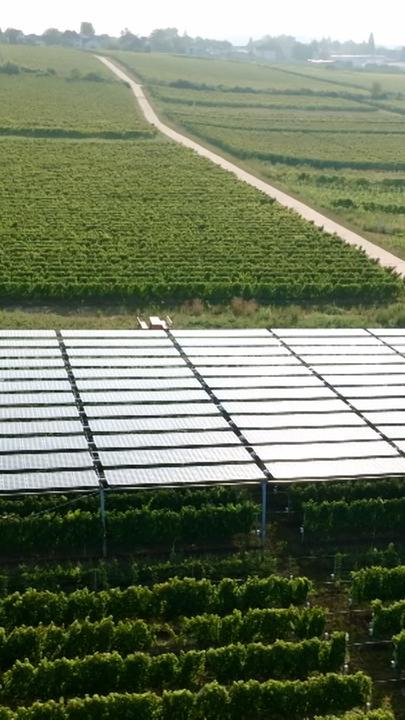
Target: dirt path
point(330, 226)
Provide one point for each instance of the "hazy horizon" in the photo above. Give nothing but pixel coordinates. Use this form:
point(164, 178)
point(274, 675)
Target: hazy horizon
point(313, 19)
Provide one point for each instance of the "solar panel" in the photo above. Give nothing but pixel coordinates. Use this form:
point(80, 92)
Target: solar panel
point(136, 362)
point(385, 418)
point(335, 359)
point(286, 406)
point(298, 420)
point(44, 482)
point(193, 475)
point(337, 469)
point(146, 396)
point(23, 362)
point(52, 374)
point(246, 352)
point(27, 333)
point(393, 432)
point(141, 343)
point(292, 370)
point(36, 398)
point(62, 427)
point(397, 403)
point(372, 391)
point(46, 443)
point(311, 435)
point(327, 332)
point(383, 332)
point(139, 384)
point(348, 350)
point(170, 439)
point(362, 380)
point(134, 372)
point(38, 386)
point(19, 343)
point(274, 393)
point(113, 333)
point(229, 341)
point(174, 409)
point(38, 412)
point(159, 424)
point(399, 349)
point(363, 370)
point(46, 461)
point(146, 407)
point(34, 352)
point(261, 381)
point(134, 352)
point(334, 341)
point(173, 456)
point(320, 451)
point(221, 333)
point(244, 360)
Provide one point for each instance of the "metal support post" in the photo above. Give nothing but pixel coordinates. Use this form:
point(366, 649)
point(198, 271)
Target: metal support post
point(103, 520)
point(264, 512)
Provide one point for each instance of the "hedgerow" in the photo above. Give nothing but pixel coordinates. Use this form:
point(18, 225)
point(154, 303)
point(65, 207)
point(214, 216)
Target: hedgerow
point(240, 701)
point(349, 491)
point(140, 672)
point(83, 637)
point(167, 600)
point(368, 517)
point(80, 530)
point(121, 573)
point(378, 582)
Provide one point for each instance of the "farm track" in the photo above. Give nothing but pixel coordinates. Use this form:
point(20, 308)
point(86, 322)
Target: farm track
point(386, 259)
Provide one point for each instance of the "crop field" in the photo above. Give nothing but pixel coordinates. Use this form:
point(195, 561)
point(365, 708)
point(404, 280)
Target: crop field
point(229, 631)
point(295, 126)
point(151, 220)
point(63, 93)
point(97, 207)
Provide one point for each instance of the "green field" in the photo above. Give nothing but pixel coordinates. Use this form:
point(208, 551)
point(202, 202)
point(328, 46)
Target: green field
point(332, 137)
point(152, 221)
point(64, 93)
point(89, 218)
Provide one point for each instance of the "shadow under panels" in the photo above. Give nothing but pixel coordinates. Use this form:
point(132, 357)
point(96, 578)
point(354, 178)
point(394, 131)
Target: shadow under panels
point(42, 444)
point(152, 421)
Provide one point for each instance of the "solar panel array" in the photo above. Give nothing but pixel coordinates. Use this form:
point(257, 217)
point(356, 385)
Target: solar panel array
point(151, 419)
point(147, 408)
point(42, 444)
point(313, 404)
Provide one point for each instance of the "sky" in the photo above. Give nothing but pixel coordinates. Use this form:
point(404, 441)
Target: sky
point(234, 20)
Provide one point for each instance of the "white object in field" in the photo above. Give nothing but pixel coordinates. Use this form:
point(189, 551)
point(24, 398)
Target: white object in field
point(155, 323)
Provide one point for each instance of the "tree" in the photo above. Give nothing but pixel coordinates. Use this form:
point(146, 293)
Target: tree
point(129, 41)
point(371, 44)
point(52, 36)
point(376, 90)
point(13, 36)
point(87, 29)
point(165, 40)
point(71, 37)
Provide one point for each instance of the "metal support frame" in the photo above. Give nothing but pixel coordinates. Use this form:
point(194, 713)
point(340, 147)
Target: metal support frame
point(263, 530)
point(103, 516)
